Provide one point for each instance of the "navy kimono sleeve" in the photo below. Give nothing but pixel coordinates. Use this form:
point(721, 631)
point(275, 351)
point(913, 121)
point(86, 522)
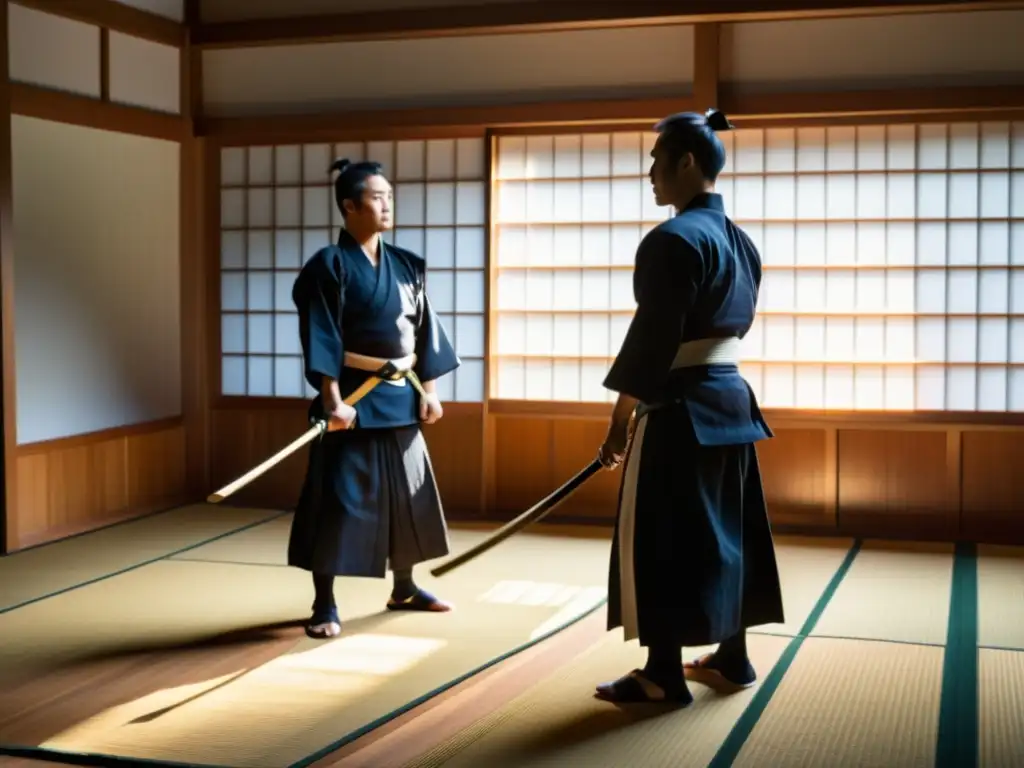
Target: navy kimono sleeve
point(319, 294)
point(666, 280)
point(435, 355)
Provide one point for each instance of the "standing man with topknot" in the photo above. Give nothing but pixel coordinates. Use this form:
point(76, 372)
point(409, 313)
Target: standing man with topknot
point(370, 499)
point(693, 562)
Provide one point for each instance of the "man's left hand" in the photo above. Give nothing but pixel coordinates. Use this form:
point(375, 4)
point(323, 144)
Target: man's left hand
point(430, 408)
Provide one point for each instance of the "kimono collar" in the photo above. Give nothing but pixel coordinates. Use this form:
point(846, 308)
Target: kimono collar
point(345, 238)
point(711, 200)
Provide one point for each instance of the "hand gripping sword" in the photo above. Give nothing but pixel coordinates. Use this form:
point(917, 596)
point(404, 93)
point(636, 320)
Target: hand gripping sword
point(387, 371)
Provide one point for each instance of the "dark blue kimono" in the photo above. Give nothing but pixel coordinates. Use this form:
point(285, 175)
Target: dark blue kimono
point(370, 498)
point(693, 561)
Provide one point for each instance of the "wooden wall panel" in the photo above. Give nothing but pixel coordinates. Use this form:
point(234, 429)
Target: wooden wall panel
point(574, 444)
point(993, 485)
point(80, 483)
point(243, 438)
point(796, 474)
point(899, 481)
point(156, 467)
point(455, 451)
point(523, 456)
point(894, 482)
point(536, 454)
point(829, 479)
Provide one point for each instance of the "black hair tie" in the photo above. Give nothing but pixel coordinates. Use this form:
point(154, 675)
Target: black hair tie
point(717, 121)
point(340, 165)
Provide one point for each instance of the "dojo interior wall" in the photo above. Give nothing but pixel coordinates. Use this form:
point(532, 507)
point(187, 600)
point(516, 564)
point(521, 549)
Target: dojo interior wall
point(96, 249)
point(951, 472)
point(128, 68)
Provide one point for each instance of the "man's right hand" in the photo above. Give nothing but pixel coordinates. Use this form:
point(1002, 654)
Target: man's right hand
point(343, 416)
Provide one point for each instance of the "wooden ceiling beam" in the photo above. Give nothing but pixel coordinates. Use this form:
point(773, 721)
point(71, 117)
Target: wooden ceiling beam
point(744, 109)
point(549, 16)
point(439, 122)
point(958, 103)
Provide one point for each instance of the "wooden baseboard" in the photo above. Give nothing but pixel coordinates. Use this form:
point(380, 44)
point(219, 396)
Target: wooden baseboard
point(85, 482)
point(59, 533)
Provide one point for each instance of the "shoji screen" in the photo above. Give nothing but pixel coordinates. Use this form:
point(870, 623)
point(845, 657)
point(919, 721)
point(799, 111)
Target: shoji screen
point(277, 210)
point(894, 265)
point(570, 213)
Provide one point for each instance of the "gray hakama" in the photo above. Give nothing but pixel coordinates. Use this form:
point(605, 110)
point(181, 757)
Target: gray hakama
point(693, 561)
point(370, 499)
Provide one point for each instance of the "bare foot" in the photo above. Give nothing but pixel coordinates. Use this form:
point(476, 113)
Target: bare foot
point(323, 631)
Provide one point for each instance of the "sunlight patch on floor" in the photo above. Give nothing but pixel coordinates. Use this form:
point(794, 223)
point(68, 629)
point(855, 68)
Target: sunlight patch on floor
point(533, 593)
point(585, 600)
point(303, 686)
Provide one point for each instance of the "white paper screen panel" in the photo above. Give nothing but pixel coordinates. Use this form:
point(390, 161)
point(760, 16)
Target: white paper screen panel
point(144, 73)
point(920, 49)
point(893, 256)
point(277, 210)
point(33, 38)
point(569, 214)
point(97, 298)
point(449, 72)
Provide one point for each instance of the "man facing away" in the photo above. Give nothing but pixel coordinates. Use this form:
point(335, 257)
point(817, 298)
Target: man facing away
point(370, 499)
point(693, 561)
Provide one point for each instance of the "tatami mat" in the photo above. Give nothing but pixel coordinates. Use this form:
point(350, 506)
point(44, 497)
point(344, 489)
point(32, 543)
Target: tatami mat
point(851, 703)
point(805, 568)
point(896, 591)
point(35, 573)
point(265, 545)
point(1001, 708)
point(192, 652)
point(1001, 597)
point(805, 565)
point(559, 722)
point(837, 706)
point(268, 545)
point(147, 664)
point(838, 702)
